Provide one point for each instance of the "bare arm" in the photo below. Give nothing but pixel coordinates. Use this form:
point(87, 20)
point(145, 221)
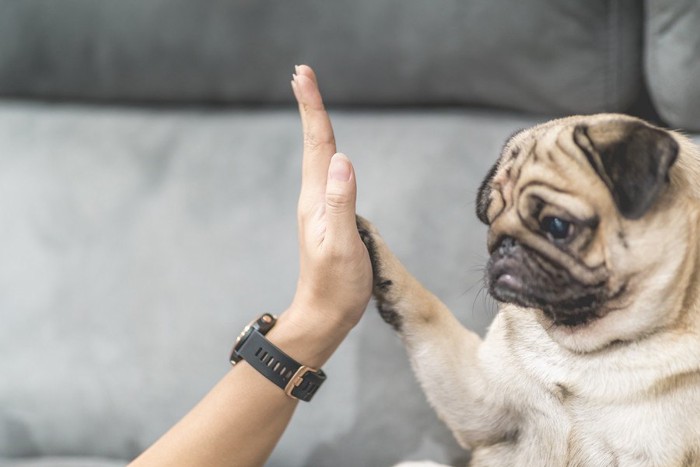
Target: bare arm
point(240, 421)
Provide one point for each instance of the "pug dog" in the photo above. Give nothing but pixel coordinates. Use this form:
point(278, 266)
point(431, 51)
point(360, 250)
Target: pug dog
point(594, 356)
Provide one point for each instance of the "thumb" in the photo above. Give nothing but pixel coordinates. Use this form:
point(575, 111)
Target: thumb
point(341, 192)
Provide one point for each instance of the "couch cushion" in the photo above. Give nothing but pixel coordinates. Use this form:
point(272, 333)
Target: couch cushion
point(548, 56)
point(672, 64)
point(137, 243)
point(61, 462)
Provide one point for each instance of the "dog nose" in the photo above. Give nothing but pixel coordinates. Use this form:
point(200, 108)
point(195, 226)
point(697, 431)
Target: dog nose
point(507, 246)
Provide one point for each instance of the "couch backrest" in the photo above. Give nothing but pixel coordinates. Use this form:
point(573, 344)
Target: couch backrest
point(549, 56)
point(672, 60)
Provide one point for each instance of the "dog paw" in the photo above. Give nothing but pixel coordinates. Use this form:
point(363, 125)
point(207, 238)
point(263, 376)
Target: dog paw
point(384, 267)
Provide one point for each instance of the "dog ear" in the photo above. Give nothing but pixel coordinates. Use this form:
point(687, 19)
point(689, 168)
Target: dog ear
point(632, 158)
point(484, 195)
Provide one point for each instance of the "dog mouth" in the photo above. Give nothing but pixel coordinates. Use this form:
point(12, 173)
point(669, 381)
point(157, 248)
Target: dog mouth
point(519, 279)
point(576, 312)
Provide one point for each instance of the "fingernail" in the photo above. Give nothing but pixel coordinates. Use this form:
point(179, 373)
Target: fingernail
point(298, 94)
point(340, 168)
point(296, 69)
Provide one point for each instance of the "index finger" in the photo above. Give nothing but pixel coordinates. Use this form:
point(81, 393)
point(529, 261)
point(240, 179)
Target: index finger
point(319, 141)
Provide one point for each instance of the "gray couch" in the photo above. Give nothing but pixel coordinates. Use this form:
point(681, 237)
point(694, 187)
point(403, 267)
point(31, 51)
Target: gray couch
point(149, 166)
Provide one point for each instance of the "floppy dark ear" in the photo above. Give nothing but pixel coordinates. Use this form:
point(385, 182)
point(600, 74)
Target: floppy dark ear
point(632, 158)
point(482, 198)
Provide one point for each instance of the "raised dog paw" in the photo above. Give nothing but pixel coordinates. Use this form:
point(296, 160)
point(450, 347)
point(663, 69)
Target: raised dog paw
point(387, 271)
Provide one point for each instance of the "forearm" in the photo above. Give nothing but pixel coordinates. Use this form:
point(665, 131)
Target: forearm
point(242, 418)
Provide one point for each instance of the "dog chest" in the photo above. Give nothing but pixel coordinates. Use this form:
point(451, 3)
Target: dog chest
point(579, 411)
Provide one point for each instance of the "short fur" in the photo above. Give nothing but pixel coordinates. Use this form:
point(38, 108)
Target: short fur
point(594, 356)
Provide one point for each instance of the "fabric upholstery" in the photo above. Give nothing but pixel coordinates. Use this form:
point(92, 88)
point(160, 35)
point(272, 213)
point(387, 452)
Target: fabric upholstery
point(137, 243)
point(138, 240)
point(62, 462)
point(548, 56)
point(672, 64)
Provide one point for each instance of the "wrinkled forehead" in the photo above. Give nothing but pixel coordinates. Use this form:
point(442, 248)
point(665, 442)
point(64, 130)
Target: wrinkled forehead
point(553, 135)
point(521, 146)
point(547, 150)
point(552, 129)
point(545, 132)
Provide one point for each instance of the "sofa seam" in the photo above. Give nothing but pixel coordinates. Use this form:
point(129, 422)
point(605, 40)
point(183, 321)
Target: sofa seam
point(657, 93)
point(611, 78)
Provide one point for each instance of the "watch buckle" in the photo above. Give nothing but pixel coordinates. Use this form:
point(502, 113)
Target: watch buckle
point(297, 379)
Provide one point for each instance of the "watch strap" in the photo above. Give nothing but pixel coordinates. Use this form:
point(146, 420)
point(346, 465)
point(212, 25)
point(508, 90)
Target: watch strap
point(298, 381)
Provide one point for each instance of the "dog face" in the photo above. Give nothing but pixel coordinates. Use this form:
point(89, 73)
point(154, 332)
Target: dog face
point(586, 229)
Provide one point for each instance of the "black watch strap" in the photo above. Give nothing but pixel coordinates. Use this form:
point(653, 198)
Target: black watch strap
point(298, 381)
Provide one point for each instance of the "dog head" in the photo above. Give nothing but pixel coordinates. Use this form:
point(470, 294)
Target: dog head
point(590, 228)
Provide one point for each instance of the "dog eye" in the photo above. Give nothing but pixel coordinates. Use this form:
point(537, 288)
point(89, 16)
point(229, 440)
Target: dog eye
point(556, 228)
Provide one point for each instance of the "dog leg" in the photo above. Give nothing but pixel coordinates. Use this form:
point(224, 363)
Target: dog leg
point(443, 354)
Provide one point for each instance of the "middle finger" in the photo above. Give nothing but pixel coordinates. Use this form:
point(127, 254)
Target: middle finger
point(319, 140)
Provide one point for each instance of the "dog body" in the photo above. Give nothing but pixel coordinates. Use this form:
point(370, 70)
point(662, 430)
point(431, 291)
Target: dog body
point(628, 405)
point(594, 356)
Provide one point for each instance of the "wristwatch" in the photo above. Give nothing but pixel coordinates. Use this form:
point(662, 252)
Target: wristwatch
point(296, 380)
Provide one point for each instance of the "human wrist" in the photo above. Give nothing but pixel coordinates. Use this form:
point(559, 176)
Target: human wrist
point(307, 336)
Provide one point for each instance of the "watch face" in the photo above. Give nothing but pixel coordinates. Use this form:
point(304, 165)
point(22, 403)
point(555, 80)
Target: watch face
point(263, 324)
point(242, 336)
point(235, 358)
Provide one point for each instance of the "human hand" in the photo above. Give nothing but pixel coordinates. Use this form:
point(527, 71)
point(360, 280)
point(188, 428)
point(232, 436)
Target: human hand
point(335, 283)
point(335, 277)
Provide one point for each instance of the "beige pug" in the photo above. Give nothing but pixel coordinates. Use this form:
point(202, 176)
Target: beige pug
point(594, 356)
